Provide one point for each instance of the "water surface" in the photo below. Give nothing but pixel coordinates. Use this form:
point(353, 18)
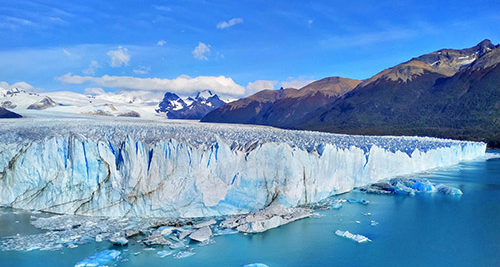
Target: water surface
point(423, 230)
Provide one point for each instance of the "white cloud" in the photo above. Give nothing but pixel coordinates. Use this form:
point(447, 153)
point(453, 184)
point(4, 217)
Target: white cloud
point(229, 23)
point(119, 57)
point(20, 85)
point(200, 52)
point(297, 84)
point(182, 84)
point(259, 85)
point(161, 43)
point(93, 66)
point(66, 52)
point(142, 70)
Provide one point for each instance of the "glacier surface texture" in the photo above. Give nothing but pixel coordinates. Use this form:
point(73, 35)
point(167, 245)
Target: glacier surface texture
point(132, 167)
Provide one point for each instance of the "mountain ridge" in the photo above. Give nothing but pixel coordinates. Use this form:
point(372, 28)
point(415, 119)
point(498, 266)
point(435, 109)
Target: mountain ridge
point(451, 93)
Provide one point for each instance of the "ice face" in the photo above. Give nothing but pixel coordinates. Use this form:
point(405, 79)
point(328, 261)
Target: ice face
point(130, 167)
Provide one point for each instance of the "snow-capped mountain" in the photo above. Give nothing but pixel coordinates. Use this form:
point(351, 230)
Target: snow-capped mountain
point(106, 104)
point(195, 107)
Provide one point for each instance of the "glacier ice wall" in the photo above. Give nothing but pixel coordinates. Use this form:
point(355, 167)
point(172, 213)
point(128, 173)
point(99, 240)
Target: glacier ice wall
point(127, 167)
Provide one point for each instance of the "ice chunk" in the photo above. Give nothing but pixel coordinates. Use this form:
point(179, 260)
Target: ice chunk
point(256, 265)
point(424, 186)
point(354, 237)
point(183, 254)
point(164, 253)
point(201, 234)
point(449, 190)
point(118, 241)
point(266, 219)
point(401, 188)
point(373, 223)
point(131, 233)
point(360, 201)
point(156, 239)
point(227, 231)
point(205, 223)
point(99, 259)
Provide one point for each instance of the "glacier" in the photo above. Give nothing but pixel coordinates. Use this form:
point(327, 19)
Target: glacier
point(117, 167)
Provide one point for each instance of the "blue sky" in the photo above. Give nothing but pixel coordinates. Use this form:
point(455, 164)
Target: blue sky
point(233, 47)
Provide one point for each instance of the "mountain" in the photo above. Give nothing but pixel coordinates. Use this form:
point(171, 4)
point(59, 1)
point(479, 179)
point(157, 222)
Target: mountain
point(452, 93)
point(448, 93)
point(106, 104)
point(282, 107)
point(194, 108)
point(4, 114)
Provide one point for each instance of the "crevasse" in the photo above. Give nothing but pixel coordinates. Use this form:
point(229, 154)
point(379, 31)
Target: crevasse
point(150, 169)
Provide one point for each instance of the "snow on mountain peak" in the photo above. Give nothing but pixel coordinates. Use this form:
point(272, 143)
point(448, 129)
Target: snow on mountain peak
point(196, 107)
point(204, 94)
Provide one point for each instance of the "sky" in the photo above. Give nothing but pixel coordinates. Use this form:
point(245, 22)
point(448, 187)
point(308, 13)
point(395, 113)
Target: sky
point(235, 48)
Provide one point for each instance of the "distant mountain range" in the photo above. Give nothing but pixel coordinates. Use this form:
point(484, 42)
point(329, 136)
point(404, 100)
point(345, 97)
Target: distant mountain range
point(111, 104)
point(175, 107)
point(448, 93)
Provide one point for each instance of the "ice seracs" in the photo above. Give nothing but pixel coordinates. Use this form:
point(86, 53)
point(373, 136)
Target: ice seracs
point(127, 167)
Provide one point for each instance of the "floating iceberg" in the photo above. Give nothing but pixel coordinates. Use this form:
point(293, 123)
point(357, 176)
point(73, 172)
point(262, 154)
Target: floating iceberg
point(202, 234)
point(409, 187)
point(256, 265)
point(354, 237)
point(118, 241)
point(266, 219)
point(99, 259)
point(164, 253)
point(449, 190)
point(184, 254)
point(424, 186)
point(129, 167)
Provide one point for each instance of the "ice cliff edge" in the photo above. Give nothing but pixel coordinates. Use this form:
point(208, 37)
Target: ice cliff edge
point(127, 167)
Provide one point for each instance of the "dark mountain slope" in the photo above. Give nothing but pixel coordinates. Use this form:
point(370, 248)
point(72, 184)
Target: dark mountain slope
point(282, 107)
point(4, 114)
point(463, 106)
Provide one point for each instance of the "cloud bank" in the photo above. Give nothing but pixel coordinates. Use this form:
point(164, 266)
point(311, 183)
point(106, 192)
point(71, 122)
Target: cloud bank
point(259, 85)
point(182, 84)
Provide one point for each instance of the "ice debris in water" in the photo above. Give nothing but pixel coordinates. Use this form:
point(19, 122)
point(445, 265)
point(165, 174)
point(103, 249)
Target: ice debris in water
point(355, 237)
point(184, 254)
point(99, 259)
point(360, 201)
point(118, 241)
point(409, 187)
point(164, 253)
point(202, 234)
point(256, 265)
point(266, 219)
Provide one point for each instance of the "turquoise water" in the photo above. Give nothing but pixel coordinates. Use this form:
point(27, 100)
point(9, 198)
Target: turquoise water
point(423, 230)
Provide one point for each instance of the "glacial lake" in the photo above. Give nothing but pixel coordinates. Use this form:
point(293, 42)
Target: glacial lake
point(423, 230)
